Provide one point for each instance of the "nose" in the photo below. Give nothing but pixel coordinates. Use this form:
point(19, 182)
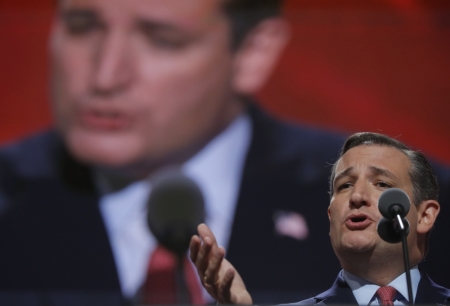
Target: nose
point(360, 195)
point(112, 63)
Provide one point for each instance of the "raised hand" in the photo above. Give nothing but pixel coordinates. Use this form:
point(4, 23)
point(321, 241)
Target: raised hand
point(217, 274)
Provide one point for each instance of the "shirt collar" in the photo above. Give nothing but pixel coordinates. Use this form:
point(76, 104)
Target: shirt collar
point(364, 290)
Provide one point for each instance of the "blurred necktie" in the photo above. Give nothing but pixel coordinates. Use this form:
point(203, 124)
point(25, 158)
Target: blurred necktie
point(170, 280)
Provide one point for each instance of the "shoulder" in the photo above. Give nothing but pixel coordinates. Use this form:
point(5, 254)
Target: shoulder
point(32, 156)
point(440, 289)
point(295, 151)
point(293, 139)
point(40, 158)
point(24, 161)
point(428, 292)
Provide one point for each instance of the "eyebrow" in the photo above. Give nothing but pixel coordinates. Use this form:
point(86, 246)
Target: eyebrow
point(343, 173)
point(376, 170)
point(68, 14)
point(383, 172)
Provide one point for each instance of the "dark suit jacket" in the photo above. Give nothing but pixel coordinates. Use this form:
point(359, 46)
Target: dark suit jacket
point(428, 292)
point(53, 240)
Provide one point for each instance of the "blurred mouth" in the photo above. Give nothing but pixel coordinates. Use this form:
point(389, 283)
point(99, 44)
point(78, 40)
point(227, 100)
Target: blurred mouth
point(105, 120)
point(357, 222)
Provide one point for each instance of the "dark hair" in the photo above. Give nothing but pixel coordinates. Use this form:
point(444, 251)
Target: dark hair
point(246, 14)
point(423, 180)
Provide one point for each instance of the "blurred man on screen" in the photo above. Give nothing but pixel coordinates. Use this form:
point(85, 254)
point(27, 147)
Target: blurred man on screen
point(139, 86)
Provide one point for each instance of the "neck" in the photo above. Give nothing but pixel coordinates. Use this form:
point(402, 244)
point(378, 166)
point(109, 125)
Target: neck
point(380, 270)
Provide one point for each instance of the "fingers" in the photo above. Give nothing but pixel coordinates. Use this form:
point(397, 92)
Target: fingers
point(204, 231)
point(211, 275)
point(196, 242)
point(194, 247)
point(206, 249)
point(224, 290)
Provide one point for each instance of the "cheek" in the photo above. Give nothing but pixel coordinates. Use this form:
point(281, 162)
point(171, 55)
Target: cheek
point(332, 217)
point(72, 60)
point(333, 212)
point(413, 219)
point(190, 79)
point(73, 65)
point(184, 88)
point(71, 72)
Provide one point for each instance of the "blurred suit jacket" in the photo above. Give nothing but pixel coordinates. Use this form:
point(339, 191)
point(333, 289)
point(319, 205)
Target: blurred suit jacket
point(52, 236)
point(428, 292)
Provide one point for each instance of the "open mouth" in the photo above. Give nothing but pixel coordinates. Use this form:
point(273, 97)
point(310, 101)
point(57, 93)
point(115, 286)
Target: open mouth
point(358, 222)
point(358, 219)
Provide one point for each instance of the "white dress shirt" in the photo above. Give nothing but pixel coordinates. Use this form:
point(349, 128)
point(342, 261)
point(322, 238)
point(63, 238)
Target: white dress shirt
point(217, 169)
point(364, 291)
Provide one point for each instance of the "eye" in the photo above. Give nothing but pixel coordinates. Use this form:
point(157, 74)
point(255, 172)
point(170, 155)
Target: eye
point(383, 185)
point(344, 186)
point(165, 36)
point(80, 22)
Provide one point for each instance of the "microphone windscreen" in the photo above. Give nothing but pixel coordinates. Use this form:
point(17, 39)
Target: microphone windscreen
point(390, 198)
point(175, 209)
point(388, 230)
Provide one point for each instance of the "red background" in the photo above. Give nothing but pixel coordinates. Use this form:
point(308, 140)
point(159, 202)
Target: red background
point(351, 66)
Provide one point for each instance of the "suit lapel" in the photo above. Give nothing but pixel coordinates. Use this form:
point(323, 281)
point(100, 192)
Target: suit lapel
point(429, 292)
point(339, 293)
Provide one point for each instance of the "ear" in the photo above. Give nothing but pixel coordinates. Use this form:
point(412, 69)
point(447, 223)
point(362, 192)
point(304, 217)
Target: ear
point(427, 214)
point(329, 214)
point(258, 54)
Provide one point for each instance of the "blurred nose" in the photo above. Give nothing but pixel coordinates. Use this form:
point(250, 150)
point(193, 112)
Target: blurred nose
point(113, 70)
point(360, 195)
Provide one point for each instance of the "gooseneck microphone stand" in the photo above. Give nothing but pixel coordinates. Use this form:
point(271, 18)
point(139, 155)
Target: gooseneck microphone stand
point(404, 233)
point(394, 205)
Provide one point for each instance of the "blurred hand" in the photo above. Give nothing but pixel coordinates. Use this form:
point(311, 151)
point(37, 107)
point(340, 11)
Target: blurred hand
point(217, 275)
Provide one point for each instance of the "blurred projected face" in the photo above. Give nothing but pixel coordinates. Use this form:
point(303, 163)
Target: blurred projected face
point(138, 81)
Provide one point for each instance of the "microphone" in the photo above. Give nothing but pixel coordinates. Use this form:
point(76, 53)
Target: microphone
point(175, 209)
point(389, 231)
point(394, 227)
point(393, 202)
point(394, 205)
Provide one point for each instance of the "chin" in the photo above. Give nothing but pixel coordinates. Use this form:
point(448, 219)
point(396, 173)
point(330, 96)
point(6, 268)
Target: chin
point(112, 151)
point(358, 244)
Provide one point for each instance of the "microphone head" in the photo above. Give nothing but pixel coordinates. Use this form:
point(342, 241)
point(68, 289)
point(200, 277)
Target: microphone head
point(175, 209)
point(393, 201)
point(388, 230)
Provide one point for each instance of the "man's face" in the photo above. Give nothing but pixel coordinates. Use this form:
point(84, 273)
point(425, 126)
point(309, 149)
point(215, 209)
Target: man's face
point(141, 80)
point(362, 174)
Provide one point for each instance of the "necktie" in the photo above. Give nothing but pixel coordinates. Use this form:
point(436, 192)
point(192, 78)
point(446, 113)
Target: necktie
point(386, 295)
point(169, 282)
